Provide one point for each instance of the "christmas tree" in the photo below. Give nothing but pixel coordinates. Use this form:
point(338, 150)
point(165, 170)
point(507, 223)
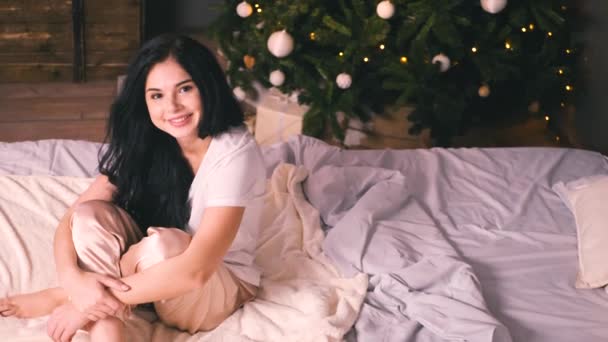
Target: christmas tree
point(459, 63)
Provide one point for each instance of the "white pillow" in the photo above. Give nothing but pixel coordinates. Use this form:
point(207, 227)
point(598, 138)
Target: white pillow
point(587, 198)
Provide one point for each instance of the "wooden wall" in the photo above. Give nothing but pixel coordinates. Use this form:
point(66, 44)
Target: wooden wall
point(56, 110)
point(112, 36)
point(36, 40)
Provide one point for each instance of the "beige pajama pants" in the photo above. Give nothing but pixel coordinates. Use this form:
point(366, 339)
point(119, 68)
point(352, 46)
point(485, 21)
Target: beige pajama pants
point(108, 241)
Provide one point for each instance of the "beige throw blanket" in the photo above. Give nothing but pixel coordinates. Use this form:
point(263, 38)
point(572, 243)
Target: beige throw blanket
point(302, 296)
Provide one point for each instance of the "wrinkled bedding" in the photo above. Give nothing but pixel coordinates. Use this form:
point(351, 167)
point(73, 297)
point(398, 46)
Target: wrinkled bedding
point(302, 295)
point(495, 207)
point(458, 244)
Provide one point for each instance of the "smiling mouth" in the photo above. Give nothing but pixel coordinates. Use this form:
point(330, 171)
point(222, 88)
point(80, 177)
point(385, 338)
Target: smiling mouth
point(180, 119)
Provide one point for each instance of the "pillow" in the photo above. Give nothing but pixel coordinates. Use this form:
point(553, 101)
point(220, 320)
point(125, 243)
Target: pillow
point(587, 198)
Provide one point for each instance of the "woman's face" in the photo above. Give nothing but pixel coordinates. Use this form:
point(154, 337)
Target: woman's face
point(173, 100)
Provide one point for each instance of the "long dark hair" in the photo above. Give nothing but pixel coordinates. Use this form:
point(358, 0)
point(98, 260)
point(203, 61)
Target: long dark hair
point(145, 164)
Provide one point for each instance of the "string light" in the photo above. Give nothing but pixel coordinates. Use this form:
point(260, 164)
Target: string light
point(474, 49)
point(313, 36)
point(569, 87)
point(531, 27)
point(507, 45)
point(259, 10)
point(365, 59)
point(523, 29)
point(564, 7)
point(562, 104)
point(557, 138)
point(381, 46)
point(341, 54)
point(568, 51)
point(546, 117)
point(550, 34)
point(560, 71)
point(403, 59)
point(256, 5)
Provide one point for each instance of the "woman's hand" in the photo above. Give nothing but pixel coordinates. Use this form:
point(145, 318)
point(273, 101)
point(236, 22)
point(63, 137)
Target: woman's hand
point(89, 293)
point(64, 322)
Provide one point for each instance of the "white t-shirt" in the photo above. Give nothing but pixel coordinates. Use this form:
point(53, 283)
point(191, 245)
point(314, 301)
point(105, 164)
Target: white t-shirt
point(232, 173)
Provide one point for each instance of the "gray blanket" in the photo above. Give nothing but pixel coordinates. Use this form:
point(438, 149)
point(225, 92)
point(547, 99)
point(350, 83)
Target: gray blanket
point(420, 287)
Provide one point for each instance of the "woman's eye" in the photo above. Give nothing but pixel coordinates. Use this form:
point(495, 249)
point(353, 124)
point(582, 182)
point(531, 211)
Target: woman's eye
point(185, 89)
point(155, 96)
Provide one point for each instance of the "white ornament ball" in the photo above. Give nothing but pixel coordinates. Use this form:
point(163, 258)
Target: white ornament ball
point(239, 93)
point(277, 78)
point(443, 60)
point(385, 9)
point(244, 9)
point(280, 44)
point(493, 6)
point(344, 80)
point(484, 91)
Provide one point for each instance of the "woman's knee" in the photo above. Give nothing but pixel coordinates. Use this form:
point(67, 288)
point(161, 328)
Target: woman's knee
point(102, 228)
point(108, 329)
point(166, 242)
point(159, 245)
point(88, 212)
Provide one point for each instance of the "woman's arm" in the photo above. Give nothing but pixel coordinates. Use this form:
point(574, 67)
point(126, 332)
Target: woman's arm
point(191, 269)
point(65, 254)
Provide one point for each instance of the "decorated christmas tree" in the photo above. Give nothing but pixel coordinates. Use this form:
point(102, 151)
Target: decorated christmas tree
point(459, 63)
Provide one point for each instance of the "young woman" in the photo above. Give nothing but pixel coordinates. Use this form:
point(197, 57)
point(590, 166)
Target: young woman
point(181, 170)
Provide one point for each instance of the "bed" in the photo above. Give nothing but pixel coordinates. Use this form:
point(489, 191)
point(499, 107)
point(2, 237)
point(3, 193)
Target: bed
point(379, 245)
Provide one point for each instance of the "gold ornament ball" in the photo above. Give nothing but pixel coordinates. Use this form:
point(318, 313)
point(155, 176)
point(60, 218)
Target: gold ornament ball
point(484, 91)
point(249, 61)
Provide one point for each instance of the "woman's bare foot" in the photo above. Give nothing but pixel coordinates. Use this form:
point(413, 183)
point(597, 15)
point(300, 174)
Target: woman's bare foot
point(33, 304)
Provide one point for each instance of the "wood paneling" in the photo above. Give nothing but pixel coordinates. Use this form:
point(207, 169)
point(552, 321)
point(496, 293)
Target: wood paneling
point(14, 91)
point(104, 11)
point(40, 108)
point(112, 37)
point(112, 29)
point(55, 110)
point(36, 39)
point(105, 72)
point(65, 57)
point(35, 11)
point(44, 72)
point(92, 130)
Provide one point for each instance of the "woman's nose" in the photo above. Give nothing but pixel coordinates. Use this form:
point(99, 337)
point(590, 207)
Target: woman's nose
point(173, 104)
